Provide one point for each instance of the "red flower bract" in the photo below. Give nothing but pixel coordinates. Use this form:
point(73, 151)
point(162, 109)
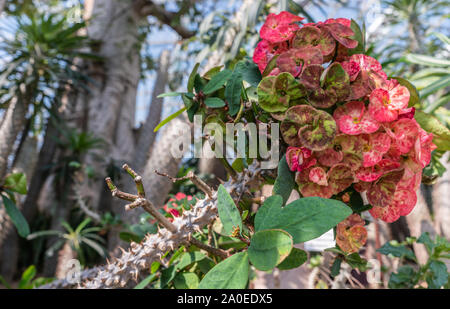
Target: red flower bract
point(351, 234)
point(372, 143)
point(353, 119)
point(279, 28)
point(299, 159)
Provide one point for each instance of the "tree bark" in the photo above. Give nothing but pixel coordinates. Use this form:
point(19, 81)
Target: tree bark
point(2, 6)
point(111, 103)
point(9, 252)
point(146, 135)
point(14, 120)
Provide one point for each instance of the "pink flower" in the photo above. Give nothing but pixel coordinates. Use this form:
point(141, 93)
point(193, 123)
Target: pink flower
point(351, 234)
point(295, 59)
point(386, 102)
point(365, 73)
point(368, 65)
point(313, 182)
point(407, 113)
point(265, 51)
point(318, 176)
point(374, 147)
point(342, 21)
point(402, 204)
point(398, 202)
point(173, 212)
point(373, 173)
point(329, 157)
point(352, 119)
point(299, 159)
point(352, 68)
point(279, 28)
point(180, 196)
point(404, 133)
point(421, 152)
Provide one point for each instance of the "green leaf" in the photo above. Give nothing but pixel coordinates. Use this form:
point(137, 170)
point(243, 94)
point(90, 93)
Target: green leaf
point(403, 278)
point(167, 275)
point(214, 102)
point(168, 119)
point(250, 72)
point(336, 267)
point(16, 182)
point(6, 284)
point(231, 273)
point(358, 36)
point(186, 281)
point(270, 66)
point(438, 275)
point(426, 240)
point(169, 94)
point(269, 248)
point(443, 82)
point(397, 251)
point(445, 39)
point(305, 219)
point(27, 276)
point(413, 94)
point(430, 124)
point(285, 182)
point(189, 258)
point(16, 217)
point(217, 81)
point(356, 261)
point(437, 103)
point(212, 72)
point(228, 212)
point(190, 85)
point(296, 258)
point(426, 60)
point(233, 91)
point(145, 282)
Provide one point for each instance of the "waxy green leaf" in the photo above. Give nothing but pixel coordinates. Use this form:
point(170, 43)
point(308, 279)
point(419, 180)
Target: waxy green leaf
point(214, 102)
point(305, 219)
point(217, 81)
point(285, 181)
point(168, 119)
point(268, 248)
point(16, 217)
point(277, 93)
point(16, 182)
point(296, 258)
point(231, 273)
point(228, 212)
point(190, 85)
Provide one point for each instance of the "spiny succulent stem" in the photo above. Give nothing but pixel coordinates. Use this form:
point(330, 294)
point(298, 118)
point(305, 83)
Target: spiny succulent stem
point(195, 180)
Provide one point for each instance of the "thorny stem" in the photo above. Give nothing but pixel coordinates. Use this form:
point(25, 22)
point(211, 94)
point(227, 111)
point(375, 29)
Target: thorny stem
point(137, 180)
point(195, 180)
point(140, 201)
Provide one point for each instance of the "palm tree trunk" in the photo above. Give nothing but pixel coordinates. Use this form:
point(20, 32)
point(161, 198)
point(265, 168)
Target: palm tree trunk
point(111, 103)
